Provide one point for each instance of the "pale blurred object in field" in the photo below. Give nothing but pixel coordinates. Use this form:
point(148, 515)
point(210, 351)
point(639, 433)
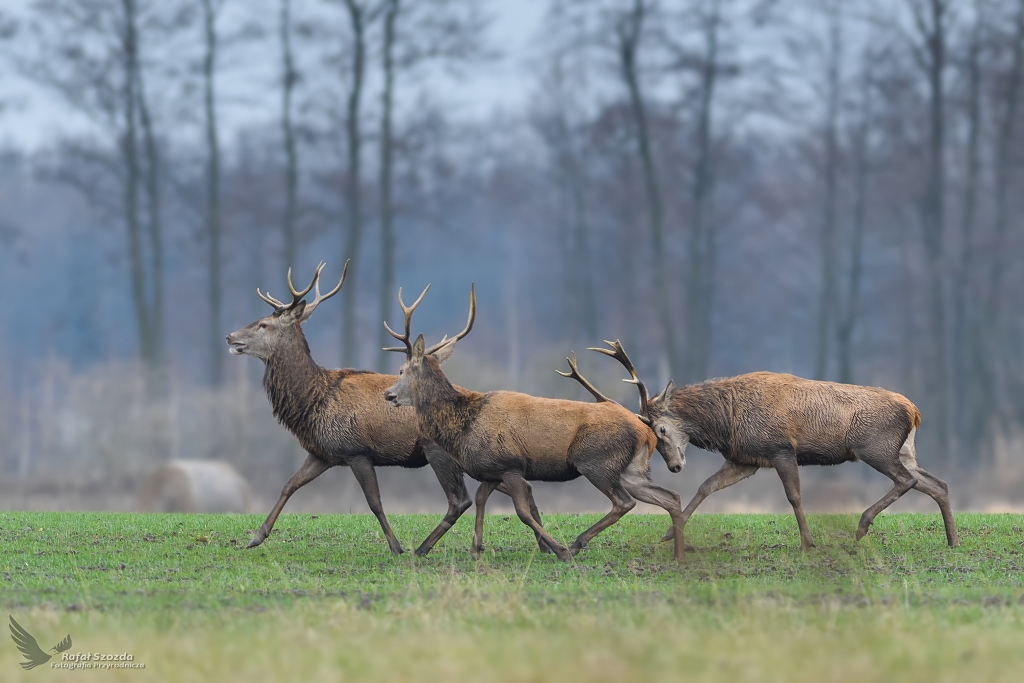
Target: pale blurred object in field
point(195, 486)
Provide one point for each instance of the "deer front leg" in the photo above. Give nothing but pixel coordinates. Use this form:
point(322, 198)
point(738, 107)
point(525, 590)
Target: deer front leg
point(449, 475)
point(533, 511)
point(519, 490)
point(729, 474)
point(312, 468)
point(483, 492)
point(362, 468)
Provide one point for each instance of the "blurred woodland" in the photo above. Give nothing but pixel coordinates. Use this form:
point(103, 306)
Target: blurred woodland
point(832, 188)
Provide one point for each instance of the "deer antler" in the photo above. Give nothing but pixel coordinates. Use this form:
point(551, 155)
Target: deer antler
point(575, 374)
point(316, 283)
point(407, 311)
point(460, 335)
point(297, 296)
point(619, 354)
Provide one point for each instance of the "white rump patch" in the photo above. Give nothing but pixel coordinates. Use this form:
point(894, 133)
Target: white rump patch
point(908, 454)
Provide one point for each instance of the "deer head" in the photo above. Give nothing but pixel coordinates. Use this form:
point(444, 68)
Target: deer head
point(262, 338)
point(418, 358)
point(672, 438)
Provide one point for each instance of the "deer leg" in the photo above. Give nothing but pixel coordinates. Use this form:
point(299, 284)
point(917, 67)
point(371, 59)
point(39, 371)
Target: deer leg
point(518, 489)
point(312, 468)
point(482, 494)
point(449, 474)
point(730, 473)
point(902, 478)
point(643, 489)
point(533, 511)
point(362, 468)
point(936, 488)
point(621, 504)
point(785, 464)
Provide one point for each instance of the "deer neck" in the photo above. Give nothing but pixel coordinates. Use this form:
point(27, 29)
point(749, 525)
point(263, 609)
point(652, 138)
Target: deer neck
point(706, 413)
point(443, 412)
point(292, 382)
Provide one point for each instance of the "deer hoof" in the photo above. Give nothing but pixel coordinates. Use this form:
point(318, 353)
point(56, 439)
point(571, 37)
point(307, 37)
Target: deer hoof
point(669, 535)
point(254, 542)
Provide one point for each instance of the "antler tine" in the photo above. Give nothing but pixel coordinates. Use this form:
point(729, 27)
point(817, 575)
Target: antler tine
point(271, 300)
point(407, 311)
point(574, 373)
point(619, 353)
point(320, 298)
point(469, 323)
point(297, 296)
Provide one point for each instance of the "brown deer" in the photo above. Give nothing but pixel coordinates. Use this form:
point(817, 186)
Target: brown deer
point(503, 437)
point(339, 416)
point(767, 419)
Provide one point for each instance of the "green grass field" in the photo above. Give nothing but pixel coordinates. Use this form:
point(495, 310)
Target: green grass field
point(323, 599)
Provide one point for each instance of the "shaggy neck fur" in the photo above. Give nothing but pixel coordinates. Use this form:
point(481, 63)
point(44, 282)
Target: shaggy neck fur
point(705, 410)
point(293, 382)
point(444, 412)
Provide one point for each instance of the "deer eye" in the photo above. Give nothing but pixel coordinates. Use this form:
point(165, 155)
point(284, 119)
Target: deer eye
point(400, 372)
point(662, 430)
point(263, 326)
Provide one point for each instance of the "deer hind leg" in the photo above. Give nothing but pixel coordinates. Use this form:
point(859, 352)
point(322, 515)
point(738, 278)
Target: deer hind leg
point(622, 503)
point(449, 475)
point(312, 468)
point(645, 490)
point(786, 465)
point(519, 490)
point(366, 475)
point(891, 464)
point(730, 473)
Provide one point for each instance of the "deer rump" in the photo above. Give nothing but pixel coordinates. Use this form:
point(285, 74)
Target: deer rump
point(509, 431)
point(751, 417)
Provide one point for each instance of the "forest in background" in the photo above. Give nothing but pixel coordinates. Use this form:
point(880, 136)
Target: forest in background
point(829, 188)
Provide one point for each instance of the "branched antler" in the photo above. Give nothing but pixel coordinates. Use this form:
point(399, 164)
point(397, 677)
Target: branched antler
point(465, 331)
point(619, 354)
point(297, 295)
point(574, 373)
point(407, 311)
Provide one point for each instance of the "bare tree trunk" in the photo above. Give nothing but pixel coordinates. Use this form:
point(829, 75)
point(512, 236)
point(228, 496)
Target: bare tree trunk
point(931, 55)
point(827, 306)
point(699, 292)
point(629, 30)
point(129, 153)
point(965, 294)
point(848, 323)
point(153, 355)
point(993, 329)
point(354, 139)
point(213, 226)
point(387, 244)
point(291, 179)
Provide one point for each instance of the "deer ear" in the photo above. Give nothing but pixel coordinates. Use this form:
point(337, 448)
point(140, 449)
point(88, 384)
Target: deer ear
point(668, 391)
point(418, 348)
point(294, 314)
point(445, 352)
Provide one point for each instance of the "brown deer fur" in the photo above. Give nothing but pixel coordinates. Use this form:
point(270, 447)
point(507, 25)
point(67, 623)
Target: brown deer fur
point(767, 419)
point(340, 418)
point(504, 437)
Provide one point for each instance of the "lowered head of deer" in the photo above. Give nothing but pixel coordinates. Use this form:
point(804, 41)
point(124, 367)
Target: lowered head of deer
point(673, 436)
point(269, 335)
point(419, 360)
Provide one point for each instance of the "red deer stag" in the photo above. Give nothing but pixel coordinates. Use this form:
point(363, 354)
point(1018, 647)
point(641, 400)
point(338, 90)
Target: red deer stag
point(339, 416)
point(767, 419)
point(503, 437)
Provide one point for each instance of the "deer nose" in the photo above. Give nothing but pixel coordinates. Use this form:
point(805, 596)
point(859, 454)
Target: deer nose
point(390, 396)
point(676, 468)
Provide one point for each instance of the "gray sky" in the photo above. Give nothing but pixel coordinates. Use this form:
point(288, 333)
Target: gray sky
point(34, 117)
